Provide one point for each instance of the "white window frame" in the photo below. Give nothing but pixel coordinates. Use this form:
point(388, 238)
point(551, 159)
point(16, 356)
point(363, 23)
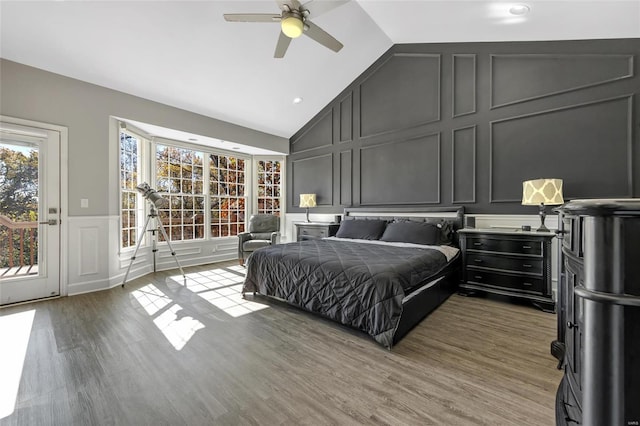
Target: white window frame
point(141, 210)
point(147, 173)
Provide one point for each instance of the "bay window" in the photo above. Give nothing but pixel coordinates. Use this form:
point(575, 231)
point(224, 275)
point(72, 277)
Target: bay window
point(210, 194)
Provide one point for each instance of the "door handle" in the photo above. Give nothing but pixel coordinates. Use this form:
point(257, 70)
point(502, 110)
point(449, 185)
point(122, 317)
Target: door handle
point(49, 222)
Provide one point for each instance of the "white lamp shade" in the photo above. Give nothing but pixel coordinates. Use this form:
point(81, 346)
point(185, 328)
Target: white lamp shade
point(542, 191)
point(307, 200)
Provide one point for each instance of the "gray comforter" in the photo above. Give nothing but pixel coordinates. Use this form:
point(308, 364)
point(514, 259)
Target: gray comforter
point(359, 285)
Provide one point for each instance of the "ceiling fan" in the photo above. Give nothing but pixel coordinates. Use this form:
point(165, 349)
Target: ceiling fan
point(294, 21)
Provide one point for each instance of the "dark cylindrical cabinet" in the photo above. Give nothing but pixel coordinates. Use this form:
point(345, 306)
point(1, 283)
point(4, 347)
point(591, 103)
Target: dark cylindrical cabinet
point(600, 316)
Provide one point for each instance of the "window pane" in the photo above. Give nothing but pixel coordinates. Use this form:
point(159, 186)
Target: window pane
point(129, 173)
point(227, 197)
point(269, 187)
point(180, 178)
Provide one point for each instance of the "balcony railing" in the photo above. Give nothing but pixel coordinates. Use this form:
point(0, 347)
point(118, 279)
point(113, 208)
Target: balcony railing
point(18, 248)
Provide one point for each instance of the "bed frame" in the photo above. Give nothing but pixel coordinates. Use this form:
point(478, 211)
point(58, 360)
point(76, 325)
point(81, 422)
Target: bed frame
point(425, 302)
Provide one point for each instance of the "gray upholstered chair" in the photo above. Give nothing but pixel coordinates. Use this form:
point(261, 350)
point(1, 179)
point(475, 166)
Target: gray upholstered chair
point(264, 230)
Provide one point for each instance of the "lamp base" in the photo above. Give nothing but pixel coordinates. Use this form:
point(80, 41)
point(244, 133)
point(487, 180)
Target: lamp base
point(543, 216)
point(308, 221)
point(542, 229)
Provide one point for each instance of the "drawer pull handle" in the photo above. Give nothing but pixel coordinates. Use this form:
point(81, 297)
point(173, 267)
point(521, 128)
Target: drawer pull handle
point(478, 277)
point(478, 260)
point(477, 244)
point(527, 284)
point(526, 265)
point(526, 247)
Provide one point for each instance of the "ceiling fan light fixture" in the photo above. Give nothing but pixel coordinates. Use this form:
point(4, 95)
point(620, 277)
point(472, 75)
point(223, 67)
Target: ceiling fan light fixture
point(292, 26)
point(519, 9)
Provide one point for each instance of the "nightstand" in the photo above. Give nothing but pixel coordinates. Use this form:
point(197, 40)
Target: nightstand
point(508, 262)
point(311, 230)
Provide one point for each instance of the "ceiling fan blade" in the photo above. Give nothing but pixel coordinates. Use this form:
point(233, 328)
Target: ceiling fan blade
point(317, 8)
point(322, 37)
point(251, 17)
point(282, 46)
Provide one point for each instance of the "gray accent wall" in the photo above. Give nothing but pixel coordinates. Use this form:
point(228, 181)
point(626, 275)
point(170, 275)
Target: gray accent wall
point(466, 123)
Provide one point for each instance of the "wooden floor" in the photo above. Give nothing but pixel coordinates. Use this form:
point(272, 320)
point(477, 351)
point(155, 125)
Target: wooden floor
point(157, 353)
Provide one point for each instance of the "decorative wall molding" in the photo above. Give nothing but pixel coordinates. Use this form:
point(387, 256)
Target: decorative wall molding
point(527, 124)
point(409, 164)
point(346, 178)
point(345, 115)
point(309, 171)
point(544, 137)
point(469, 139)
point(554, 74)
point(88, 243)
point(380, 100)
point(318, 135)
point(464, 83)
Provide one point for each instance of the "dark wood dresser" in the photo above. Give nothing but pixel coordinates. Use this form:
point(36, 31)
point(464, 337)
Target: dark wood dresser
point(599, 316)
point(310, 230)
point(508, 262)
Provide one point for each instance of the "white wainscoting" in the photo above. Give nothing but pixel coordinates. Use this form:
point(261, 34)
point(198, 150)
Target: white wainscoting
point(95, 261)
point(88, 266)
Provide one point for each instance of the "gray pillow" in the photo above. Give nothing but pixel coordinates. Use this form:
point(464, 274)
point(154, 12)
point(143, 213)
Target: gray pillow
point(412, 232)
point(362, 229)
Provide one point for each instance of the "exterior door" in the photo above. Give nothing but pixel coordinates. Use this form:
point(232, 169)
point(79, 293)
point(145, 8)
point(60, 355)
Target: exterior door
point(29, 213)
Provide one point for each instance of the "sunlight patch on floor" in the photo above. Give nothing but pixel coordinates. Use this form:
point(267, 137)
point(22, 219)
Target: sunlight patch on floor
point(151, 299)
point(176, 327)
point(15, 330)
point(222, 287)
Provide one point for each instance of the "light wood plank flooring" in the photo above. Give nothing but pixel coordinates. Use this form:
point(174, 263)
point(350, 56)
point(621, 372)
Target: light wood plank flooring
point(157, 353)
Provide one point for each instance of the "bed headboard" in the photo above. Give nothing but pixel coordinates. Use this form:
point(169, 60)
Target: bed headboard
point(453, 215)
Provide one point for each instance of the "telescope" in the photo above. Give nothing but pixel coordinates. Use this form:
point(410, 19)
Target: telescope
point(155, 199)
point(151, 194)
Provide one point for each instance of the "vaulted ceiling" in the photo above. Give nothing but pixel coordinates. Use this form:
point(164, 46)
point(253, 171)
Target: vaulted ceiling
point(184, 54)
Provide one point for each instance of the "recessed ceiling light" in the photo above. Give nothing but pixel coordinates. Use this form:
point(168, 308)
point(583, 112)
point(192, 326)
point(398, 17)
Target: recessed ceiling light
point(297, 100)
point(519, 9)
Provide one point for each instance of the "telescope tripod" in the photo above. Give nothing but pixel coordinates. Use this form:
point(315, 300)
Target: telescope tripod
point(153, 214)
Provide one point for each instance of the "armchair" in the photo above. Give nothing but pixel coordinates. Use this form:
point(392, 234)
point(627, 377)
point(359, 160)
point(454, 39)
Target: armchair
point(264, 230)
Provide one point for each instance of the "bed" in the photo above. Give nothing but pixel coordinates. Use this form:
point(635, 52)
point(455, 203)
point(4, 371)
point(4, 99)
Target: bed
point(385, 270)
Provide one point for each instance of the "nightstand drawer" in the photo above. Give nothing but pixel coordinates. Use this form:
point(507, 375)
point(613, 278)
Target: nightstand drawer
point(312, 230)
point(530, 284)
point(481, 260)
point(308, 231)
point(505, 245)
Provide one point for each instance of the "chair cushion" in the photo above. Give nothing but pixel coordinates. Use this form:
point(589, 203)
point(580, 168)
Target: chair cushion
point(261, 235)
point(264, 223)
point(252, 245)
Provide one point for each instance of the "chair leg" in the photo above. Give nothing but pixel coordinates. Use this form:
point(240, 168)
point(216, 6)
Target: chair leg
point(241, 261)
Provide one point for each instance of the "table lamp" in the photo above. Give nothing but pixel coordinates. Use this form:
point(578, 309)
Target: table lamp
point(542, 192)
point(306, 201)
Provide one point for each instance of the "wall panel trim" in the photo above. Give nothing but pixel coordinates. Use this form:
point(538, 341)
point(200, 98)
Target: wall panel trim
point(628, 97)
point(394, 142)
point(373, 72)
point(453, 80)
point(315, 157)
point(453, 164)
point(630, 73)
point(308, 129)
